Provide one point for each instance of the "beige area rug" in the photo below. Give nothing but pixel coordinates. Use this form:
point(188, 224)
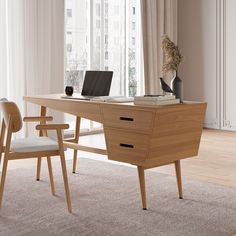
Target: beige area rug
point(106, 201)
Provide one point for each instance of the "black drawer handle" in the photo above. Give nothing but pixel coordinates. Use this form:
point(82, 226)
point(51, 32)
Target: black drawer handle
point(126, 145)
point(127, 118)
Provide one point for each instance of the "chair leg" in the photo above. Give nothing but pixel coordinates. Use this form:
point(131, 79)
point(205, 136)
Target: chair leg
point(1, 151)
point(38, 168)
point(66, 185)
point(51, 175)
point(2, 136)
point(3, 178)
point(178, 178)
point(74, 161)
point(142, 186)
point(0, 156)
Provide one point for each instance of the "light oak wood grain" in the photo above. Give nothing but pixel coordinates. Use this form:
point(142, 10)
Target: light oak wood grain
point(78, 108)
point(146, 136)
point(76, 146)
point(137, 121)
point(215, 163)
point(43, 111)
point(2, 135)
point(52, 126)
point(126, 146)
point(12, 119)
point(51, 175)
point(175, 134)
point(37, 118)
point(142, 186)
point(178, 178)
point(76, 140)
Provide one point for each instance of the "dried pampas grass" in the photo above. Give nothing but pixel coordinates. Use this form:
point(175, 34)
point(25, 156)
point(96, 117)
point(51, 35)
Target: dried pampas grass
point(172, 55)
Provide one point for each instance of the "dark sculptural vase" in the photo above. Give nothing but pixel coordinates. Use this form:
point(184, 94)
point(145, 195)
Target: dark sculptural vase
point(177, 87)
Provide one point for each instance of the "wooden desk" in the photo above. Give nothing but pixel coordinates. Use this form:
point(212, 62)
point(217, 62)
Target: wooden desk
point(145, 136)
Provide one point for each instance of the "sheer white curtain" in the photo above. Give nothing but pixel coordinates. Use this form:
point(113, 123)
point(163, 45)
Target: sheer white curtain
point(3, 54)
point(44, 36)
point(12, 77)
point(32, 50)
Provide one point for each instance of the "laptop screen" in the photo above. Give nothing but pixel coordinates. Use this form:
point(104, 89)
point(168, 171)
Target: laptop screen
point(97, 83)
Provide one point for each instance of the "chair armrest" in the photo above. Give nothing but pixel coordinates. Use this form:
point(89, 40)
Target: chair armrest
point(3, 150)
point(37, 118)
point(52, 127)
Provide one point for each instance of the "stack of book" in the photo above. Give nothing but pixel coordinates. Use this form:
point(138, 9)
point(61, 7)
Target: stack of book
point(115, 99)
point(156, 100)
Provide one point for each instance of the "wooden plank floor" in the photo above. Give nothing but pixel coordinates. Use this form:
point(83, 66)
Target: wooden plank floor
point(216, 162)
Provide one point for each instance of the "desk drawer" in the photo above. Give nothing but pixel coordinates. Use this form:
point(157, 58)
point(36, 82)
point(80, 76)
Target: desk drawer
point(126, 146)
point(128, 119)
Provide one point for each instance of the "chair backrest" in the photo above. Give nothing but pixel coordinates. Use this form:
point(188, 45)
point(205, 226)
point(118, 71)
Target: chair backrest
point(3, 100)
point(10, 109)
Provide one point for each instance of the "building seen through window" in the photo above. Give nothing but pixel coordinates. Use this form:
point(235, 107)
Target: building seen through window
point(133, 26)
point(69, 12)
point(104, 35)
point(133, 10)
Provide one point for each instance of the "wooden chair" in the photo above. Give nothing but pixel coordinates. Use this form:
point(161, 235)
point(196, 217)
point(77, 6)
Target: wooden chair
point(75, 140)
point(1, 141)
point(30, 147)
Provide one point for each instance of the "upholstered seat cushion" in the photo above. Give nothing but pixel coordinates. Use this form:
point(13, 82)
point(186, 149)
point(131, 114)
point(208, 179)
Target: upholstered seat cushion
point(34, 144)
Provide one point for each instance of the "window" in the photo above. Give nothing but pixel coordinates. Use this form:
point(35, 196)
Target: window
point(106, 39)
point(116, 25)
point(105, 35)
point(98, 9)
point(106, 8)
point(69, 13)
point(133, 10)
point(106, 23)
point(106, 55)
point(133, 25)
point(116, 40)
point(69, 47)
point(98, 41)
point(116, 9)
point(97, 24)
point(133, 41)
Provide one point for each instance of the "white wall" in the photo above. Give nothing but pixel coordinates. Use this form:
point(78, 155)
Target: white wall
point(229, 65)
point(207, 39)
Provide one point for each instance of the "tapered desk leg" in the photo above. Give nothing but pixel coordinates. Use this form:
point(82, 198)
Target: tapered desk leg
point(142, 186)
point(178, 178)
point(77, 129)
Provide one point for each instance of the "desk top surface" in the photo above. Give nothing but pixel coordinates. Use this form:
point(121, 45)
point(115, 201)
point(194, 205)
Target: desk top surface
point(42, 99)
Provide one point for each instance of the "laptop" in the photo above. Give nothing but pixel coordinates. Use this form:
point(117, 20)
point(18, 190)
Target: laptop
point(96, 83)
